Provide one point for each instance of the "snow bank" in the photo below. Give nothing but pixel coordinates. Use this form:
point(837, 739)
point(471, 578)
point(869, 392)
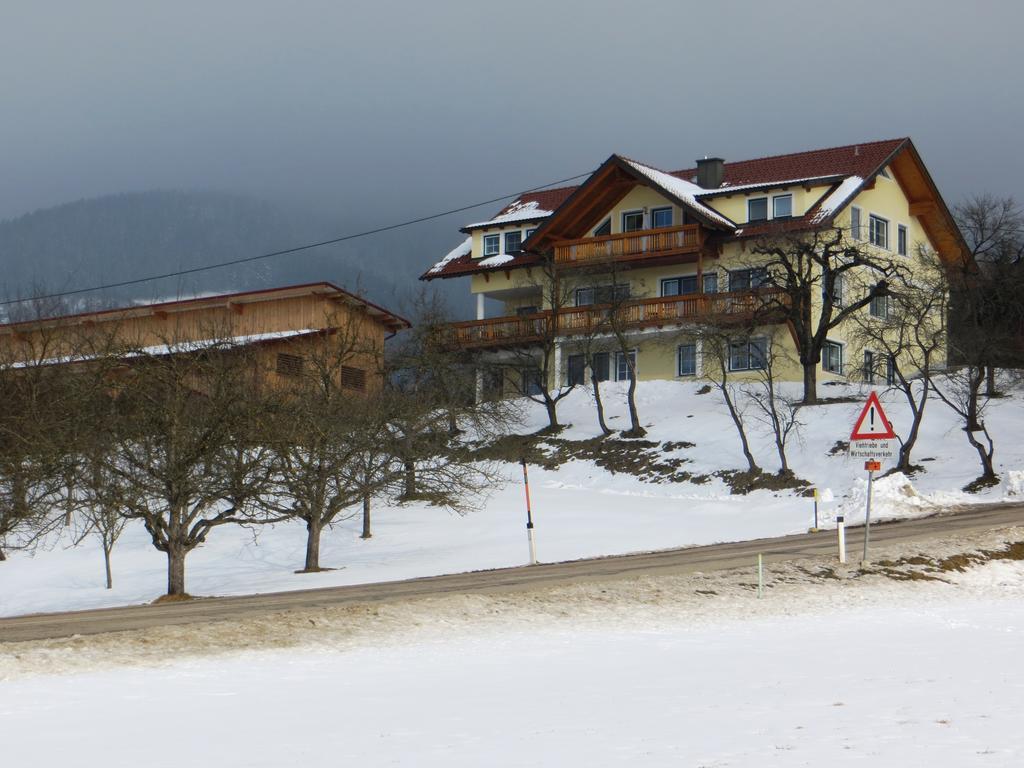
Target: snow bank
point(1015, 483)
point(892, 498)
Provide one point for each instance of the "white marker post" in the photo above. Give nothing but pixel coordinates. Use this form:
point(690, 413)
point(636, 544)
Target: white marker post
point(872, 440)
point(841, 533)
point(529, 517)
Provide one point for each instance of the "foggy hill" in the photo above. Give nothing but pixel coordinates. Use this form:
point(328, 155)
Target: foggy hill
point(125, 236)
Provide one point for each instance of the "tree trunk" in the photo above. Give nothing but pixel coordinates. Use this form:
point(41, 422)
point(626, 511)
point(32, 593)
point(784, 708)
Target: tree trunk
point(738, 422)
point(810, 383)
point(904, 465)
point(990, 381)
point(410, 480)
point(313, 527)
point(176, 569)
point(600, 405)
point(367, 533)
point(635, 430)
point(106, 566)
point(988, 471)
point(976, 378)
point(3, 555)
point(551, 407)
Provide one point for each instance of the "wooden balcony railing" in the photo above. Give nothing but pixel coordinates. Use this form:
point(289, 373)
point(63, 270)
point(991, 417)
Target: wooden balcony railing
point(635, 314)
point(645, 243)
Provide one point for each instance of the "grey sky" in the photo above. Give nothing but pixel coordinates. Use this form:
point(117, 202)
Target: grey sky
point(385, 110)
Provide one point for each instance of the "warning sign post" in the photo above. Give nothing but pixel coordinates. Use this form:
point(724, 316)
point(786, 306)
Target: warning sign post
point(872, 439)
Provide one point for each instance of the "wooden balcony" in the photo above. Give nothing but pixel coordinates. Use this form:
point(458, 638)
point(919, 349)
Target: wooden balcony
point(630, 246)
point(636, 314)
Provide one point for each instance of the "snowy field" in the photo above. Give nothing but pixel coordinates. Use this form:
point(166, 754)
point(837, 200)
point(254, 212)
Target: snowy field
point(692, 670)
point(580, 510)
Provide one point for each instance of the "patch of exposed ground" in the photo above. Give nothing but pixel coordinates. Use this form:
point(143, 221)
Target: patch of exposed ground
point(920, 571)
point(650, 461)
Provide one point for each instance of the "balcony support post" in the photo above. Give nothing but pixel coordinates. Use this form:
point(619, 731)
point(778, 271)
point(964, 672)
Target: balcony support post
point(480, 306)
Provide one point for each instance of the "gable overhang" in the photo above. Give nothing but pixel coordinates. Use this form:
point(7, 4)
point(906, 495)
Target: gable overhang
point(926, 203)
point(589, 204)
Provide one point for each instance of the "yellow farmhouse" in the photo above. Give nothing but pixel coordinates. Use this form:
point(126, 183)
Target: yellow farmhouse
point(675, 248)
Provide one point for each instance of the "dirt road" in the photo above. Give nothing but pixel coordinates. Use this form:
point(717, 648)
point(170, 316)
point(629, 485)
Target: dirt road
point(707, 558)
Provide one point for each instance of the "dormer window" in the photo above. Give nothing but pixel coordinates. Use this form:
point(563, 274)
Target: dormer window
point(513, 241)
point(757, 209)
point(492, 245)
point(782, 206)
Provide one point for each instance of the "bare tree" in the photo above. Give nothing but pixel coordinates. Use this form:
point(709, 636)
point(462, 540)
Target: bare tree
point(779, 413)
point(809, 272)
point(180, 412)
point(904, 346)
point(538, 364)
point(987, 316)
point(716, 346)
point(36, 408)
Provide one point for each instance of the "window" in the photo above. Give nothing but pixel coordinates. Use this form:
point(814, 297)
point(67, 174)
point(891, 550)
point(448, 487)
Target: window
point(890, 370)
point(711, 283)
point(782, 206)
point(869, 366)
point(832, 357)
point(679, 286)
point(600, 365)
point(577, 370)
point(623, 363)
point(289, 365)
point(513, 241)
point(494, 380)
point(601, 294)
point(529, 232)
point(757, 209)
point(855, 222)
point(745, 279)
point(661, 217)
point(687, 360)
point(531, 382)
point(632, 221)
point(878, 231)
point(837, 290)
point(901, 240)
point(492, 245)
point(605, 228)
point(527, 310)
point(353, 378)
point(879, 306)
point(748, 355)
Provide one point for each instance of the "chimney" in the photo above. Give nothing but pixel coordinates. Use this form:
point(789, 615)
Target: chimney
point(710, 172)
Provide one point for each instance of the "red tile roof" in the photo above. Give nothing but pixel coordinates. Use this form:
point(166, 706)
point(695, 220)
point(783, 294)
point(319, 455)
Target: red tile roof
point(852, 160)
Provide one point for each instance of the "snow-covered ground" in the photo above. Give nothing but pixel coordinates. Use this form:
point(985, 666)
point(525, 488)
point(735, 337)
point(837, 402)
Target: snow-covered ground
point(688, 670)
point(580, 510)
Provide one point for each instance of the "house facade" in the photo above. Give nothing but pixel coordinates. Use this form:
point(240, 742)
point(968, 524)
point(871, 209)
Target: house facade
point(280, 327)
point(674, 250)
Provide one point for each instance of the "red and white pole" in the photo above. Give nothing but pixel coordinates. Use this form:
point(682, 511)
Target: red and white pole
point(529, 517)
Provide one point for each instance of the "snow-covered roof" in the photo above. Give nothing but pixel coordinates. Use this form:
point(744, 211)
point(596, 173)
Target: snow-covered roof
point(838, 197)
point(727, 188)
point(173, 348)
point(520, 210)
point(684, 191)
point(465, 248)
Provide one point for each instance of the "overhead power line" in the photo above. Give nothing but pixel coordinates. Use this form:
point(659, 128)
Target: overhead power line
point(286, 251)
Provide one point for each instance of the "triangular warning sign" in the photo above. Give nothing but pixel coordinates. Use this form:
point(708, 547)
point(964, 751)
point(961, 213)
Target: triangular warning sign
point(873, 423)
